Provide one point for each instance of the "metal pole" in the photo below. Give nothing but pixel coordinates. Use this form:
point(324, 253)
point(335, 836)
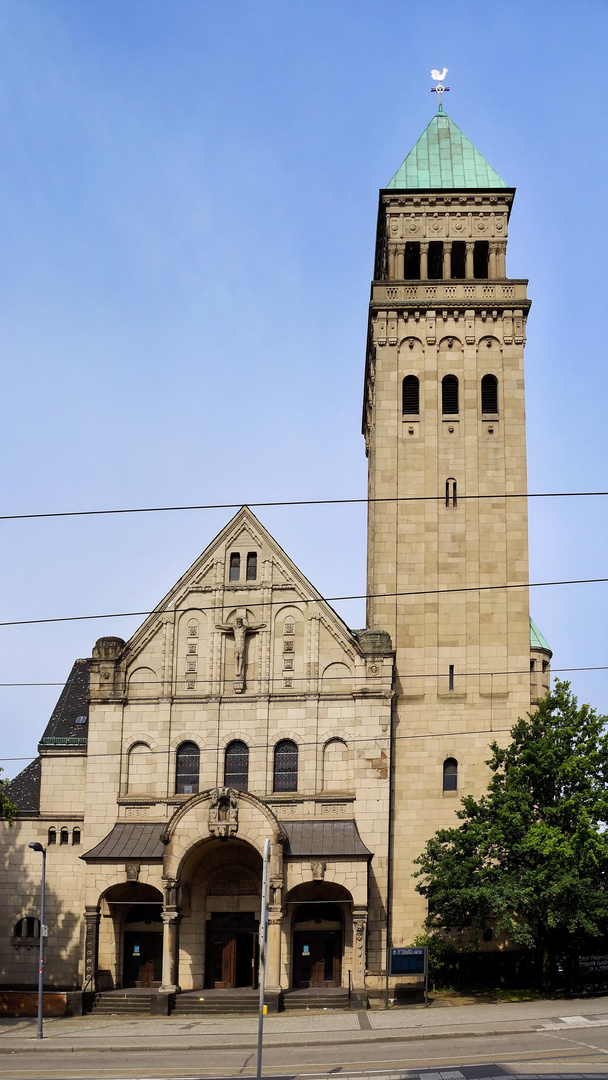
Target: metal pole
point(39, 1034)
point(263, 926)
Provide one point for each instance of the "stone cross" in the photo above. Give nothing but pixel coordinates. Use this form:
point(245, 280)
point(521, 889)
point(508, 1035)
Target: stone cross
point(239, 629)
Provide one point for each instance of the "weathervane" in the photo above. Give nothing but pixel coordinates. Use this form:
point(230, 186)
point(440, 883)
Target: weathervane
point(440, 88)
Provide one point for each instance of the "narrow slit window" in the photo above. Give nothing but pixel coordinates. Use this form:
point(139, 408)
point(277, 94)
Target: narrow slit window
point(252, 565)
point(235, 566)
point(449, 395)
point(411, 396)
point(236, 765)
point(480, 259)
point(75, 836)
point(451, 492)
point(458, 259)
point(451, 677)
point(435, 263)
point(64, 836)
point(411, 262)
point(450, 774)
point(489, 394)
point(51, 836)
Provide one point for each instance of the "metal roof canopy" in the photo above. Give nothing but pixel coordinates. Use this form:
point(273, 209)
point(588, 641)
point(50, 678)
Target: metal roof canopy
point(443, 157)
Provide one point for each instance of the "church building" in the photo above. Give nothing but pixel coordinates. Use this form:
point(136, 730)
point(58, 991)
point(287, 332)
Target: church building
point(244, 708)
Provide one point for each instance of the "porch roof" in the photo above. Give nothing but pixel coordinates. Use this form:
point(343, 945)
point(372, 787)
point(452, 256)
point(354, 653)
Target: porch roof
point(330, 838)
point(129, 841)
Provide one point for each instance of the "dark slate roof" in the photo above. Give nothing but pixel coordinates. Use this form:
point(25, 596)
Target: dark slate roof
point(127, 841)
point(62, 731)
point(324, 838)
point(24, 789)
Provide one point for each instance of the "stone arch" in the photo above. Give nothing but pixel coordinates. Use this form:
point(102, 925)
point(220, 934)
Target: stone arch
point(129, 908)
point(141, 768)
point(143, 683)
point(319, 929)
point(337, 676)
point(337, 766)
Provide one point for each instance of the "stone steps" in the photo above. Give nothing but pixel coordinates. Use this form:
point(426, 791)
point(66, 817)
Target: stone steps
point(331, 998)
point(122, 1005)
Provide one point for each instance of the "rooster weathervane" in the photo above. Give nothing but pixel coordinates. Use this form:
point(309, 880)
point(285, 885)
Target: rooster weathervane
point(440, 89)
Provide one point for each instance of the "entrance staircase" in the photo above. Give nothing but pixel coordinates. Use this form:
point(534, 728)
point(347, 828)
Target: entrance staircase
point(131, 1002)
point(241, 1002)
point(324, 997)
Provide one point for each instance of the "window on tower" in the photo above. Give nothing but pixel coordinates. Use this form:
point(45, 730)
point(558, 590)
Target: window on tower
point(480, 258)
point(489, 394)
point(411, 262)
point(450, 774)
point(449, 395)
point(451, 499)
point(459, 248)
point(411, 395)
point(435, 263)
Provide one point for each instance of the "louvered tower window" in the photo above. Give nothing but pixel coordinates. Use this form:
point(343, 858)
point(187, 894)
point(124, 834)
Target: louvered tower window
point(450, 774)
point(449, 395)
point(411, 396)
point(489, 394)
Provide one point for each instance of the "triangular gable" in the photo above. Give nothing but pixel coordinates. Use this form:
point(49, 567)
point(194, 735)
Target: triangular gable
point(199, 578)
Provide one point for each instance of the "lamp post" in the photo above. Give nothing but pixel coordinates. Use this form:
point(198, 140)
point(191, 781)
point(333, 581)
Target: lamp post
point(35, 846)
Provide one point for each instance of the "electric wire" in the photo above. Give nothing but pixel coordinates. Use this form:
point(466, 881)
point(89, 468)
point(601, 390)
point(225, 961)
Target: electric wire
point(307, 600)
point(295, 502)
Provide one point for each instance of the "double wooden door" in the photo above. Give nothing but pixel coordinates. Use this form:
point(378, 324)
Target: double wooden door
point(231, 953)
point(317, 958)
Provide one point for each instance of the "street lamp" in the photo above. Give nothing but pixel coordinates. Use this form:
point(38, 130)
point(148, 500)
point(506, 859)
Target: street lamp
point(35, 846)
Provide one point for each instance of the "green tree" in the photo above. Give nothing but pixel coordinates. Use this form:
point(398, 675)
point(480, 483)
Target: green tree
point(8, 809)
point(531, 856)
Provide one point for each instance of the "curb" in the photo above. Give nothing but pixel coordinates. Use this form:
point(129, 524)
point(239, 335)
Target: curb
point(53, 1045)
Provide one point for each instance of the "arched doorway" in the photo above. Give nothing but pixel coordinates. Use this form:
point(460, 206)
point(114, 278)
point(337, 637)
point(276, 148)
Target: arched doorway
point(135, 926)
point(222, 887)
point(319, 913)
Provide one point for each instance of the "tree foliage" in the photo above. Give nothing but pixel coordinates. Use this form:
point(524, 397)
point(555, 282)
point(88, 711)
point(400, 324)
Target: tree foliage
point(531, 856)
point(8, 810)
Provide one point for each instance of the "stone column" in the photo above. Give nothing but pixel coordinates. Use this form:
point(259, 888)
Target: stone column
point(492, 262)
point(399, 261)
point(170, 966)
point(501, 259)
point(91, 939)
point(424, 261)
point(447, 260)
point(273, 949)
point(359, 947)
point(469, 271)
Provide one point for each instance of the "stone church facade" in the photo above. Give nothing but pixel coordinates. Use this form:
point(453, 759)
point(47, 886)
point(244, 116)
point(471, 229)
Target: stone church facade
point(244, 708)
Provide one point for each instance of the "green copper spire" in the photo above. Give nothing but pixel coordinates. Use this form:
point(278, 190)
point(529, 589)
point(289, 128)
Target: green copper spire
point(444, 158)
point(537, 640)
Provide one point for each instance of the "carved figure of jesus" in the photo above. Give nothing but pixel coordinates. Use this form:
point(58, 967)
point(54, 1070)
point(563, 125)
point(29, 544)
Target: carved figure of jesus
point(240, 629)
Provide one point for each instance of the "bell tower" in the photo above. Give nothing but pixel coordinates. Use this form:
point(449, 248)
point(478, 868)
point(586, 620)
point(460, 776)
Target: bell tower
point(444, 427)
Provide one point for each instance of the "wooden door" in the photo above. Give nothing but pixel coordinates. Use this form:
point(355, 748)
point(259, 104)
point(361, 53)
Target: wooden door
point(143, 953)
point(317, 959)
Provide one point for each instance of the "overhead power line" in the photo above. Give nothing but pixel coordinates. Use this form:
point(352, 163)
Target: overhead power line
point(297, 502)
point(307, 600)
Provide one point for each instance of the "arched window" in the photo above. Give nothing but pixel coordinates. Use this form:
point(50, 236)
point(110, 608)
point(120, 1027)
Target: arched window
point(451, 492)
point(411, 396)
point(235, 566)
point(236, 765)
point(252, 565)
point(51, 836)
point(449, 395)
point(187, 762)
point(140, 768)
point(75, 836)
point(64, 836)
point(27, 931)
point(285, 776)
point(489, 394)
point(450, 774)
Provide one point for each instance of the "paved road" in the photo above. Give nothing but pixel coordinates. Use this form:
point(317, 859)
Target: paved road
point(469, 1043)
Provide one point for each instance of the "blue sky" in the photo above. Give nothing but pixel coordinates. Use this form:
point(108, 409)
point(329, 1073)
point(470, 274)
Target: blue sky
point(188, 194)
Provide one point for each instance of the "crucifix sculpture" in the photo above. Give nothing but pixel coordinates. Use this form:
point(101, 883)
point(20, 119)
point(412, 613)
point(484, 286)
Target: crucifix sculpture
point(240, 629)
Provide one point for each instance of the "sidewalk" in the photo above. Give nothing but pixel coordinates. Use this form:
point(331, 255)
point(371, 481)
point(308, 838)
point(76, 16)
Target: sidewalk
point(318, 1027)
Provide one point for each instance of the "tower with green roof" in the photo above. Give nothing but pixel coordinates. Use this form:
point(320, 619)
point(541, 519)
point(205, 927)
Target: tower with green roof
point(444, 427)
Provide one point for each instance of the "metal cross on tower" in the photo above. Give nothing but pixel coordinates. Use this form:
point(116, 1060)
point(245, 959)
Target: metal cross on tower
point(440, 88)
